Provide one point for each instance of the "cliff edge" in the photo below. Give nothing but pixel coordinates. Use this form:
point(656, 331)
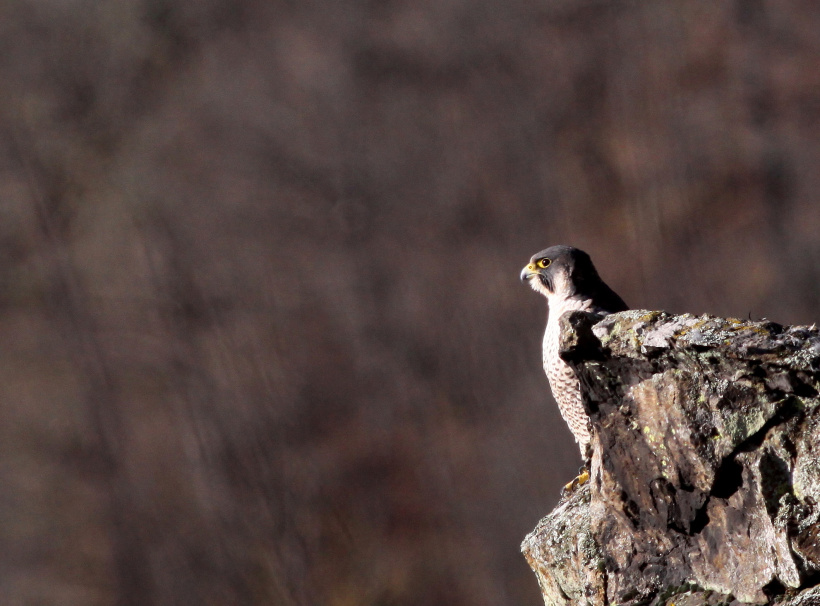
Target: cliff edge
point(705, 474)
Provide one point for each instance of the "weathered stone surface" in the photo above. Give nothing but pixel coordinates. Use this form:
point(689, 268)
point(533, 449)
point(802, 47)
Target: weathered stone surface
point(705, 477)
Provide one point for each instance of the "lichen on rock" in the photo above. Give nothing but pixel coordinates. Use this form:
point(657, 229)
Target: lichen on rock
point(705, 481)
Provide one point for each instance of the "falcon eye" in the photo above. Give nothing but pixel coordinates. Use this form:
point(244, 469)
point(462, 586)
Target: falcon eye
point(543, 263)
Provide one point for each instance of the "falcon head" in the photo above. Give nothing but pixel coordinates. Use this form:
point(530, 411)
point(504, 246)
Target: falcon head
point(551, 271)
point(563, 272)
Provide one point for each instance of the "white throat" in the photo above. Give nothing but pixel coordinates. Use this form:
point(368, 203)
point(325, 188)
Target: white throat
point(559, 306)
point(559, 301)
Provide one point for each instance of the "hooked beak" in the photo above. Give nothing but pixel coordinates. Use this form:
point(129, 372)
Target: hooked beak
point(528, 272)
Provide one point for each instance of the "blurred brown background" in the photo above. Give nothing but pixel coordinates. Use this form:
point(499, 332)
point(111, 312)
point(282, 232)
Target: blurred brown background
point(263, 339)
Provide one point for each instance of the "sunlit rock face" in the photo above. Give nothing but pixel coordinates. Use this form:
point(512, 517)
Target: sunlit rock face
point(705, 475)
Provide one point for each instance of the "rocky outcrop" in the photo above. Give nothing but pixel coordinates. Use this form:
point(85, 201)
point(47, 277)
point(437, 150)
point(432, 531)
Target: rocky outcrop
point(705, 474)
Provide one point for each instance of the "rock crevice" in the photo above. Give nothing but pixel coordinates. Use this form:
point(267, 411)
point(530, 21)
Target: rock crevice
point(705, 478)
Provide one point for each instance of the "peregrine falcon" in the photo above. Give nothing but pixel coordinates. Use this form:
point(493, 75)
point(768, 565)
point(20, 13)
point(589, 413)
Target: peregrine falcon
point(567, 278)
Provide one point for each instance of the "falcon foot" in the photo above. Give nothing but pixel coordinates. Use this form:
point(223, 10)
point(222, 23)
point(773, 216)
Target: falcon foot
point(583, 478)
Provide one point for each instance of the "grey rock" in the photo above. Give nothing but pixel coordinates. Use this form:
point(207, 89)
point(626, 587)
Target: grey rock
point(705, 469)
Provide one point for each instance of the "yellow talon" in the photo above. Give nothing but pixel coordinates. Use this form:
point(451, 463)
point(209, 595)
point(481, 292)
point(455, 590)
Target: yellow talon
point(582, 479)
